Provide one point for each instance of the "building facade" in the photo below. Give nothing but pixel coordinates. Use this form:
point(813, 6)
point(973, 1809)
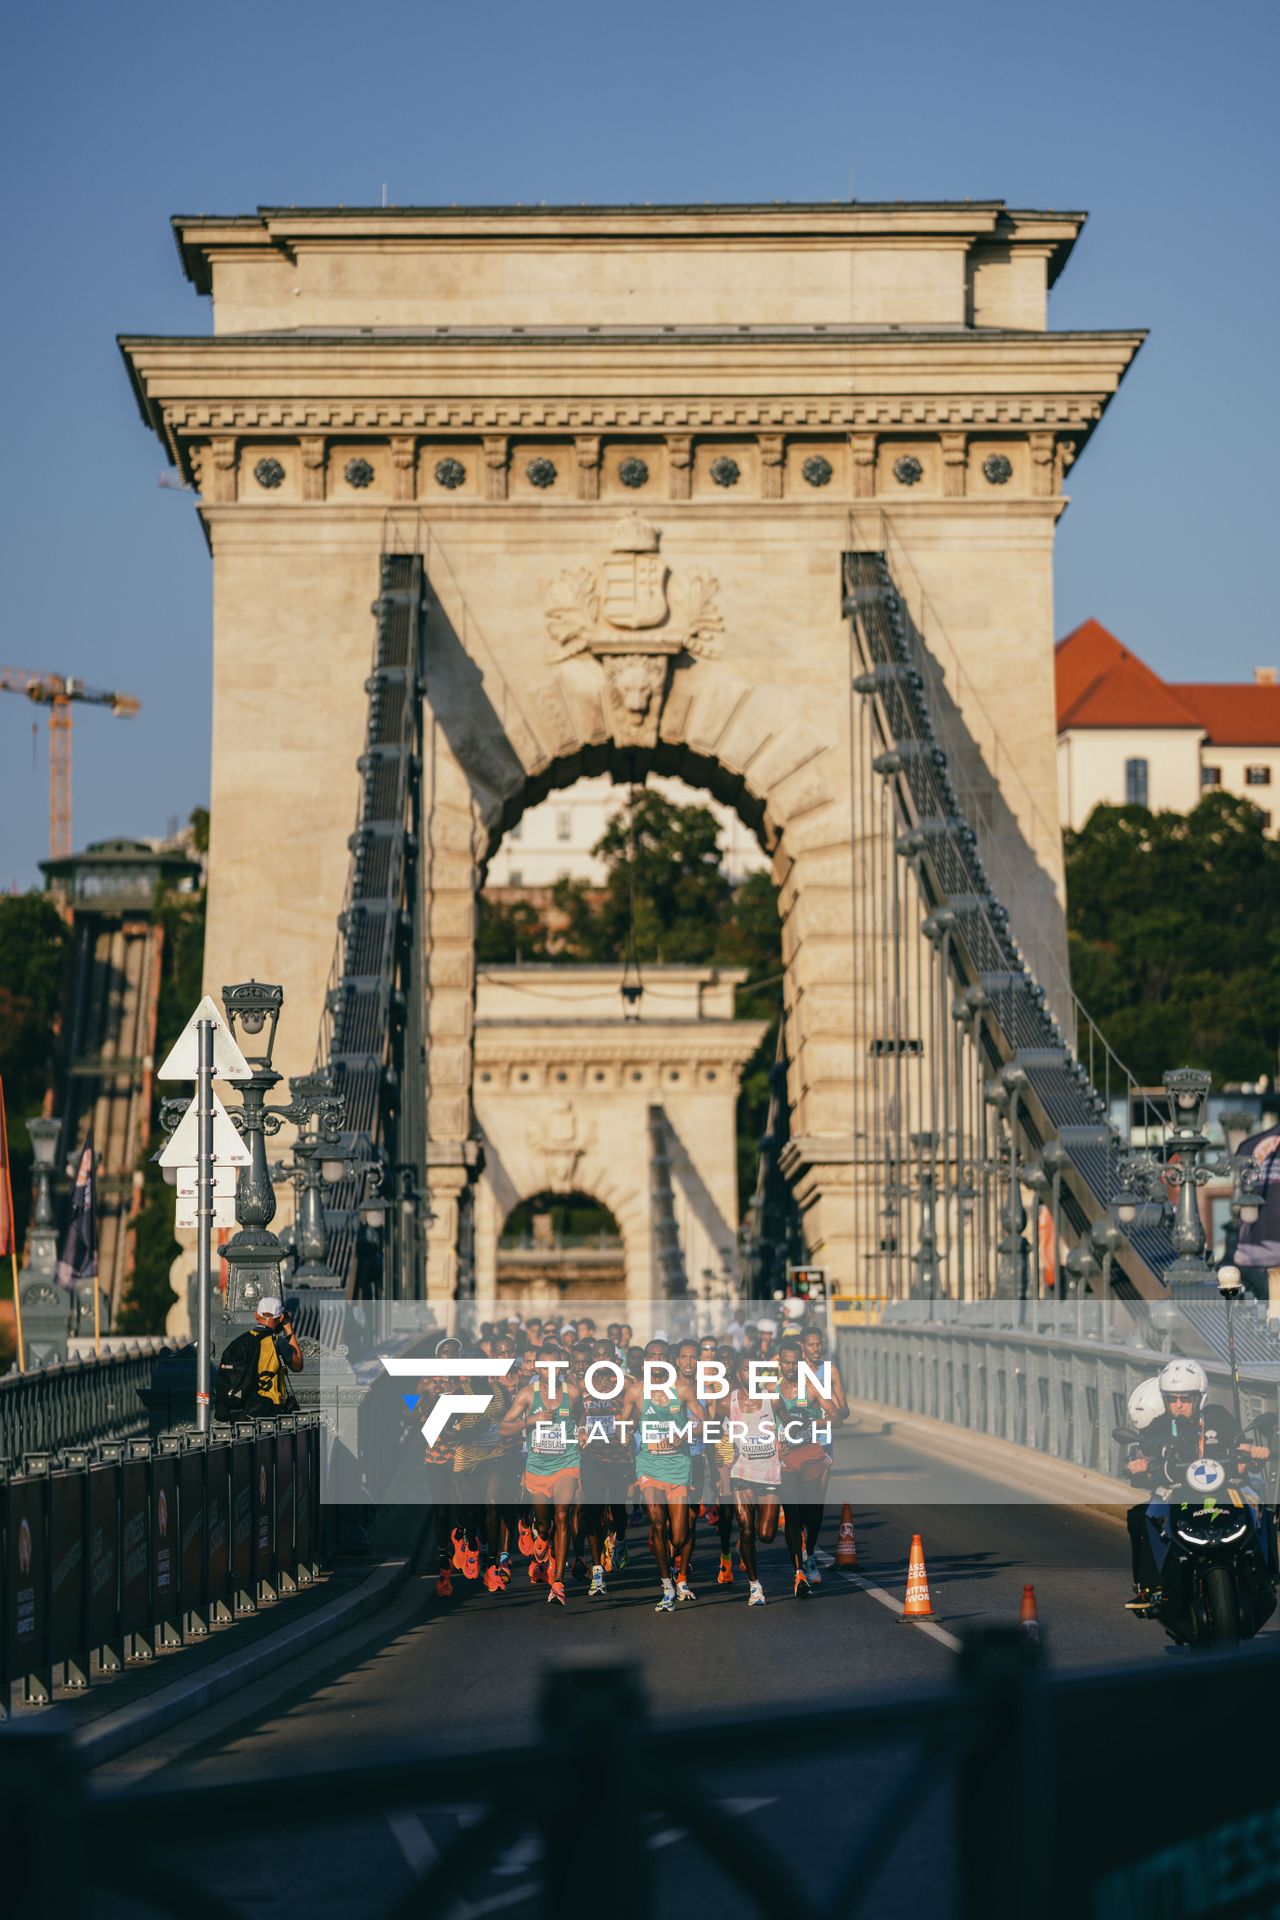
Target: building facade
point(635, 1108)
point(1128, 738)
point(555, 839)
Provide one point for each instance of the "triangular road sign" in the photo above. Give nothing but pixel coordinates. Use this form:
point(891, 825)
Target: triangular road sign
point(229, 1150)
point(184, 1058)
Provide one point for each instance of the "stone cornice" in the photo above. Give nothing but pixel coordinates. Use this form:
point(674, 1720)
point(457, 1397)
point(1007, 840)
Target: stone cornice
point(191, 388)
point(504, 1046)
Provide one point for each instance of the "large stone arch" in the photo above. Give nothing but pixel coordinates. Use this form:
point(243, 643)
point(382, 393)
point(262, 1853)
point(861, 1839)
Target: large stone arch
point(775, 747)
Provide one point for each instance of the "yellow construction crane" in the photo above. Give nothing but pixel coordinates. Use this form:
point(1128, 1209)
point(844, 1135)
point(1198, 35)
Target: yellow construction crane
point(57, 691)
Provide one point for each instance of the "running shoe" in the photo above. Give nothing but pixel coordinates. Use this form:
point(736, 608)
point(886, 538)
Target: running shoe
point(667, 1604)
point(606, 1561)
point(557, 1592)
point(459, 1548)
point(504, 1572)
point(524, 1535)
point(493, 1580)
point(470, 1563)
point(538, 1573)
point(811, 1571)
point(755, 1594)
point(444, 1584)
point(684, 1591)
point(803, 1590)
point(725, 1576)
point(541, 1548)
point(597, 1590)
point(620, 1556)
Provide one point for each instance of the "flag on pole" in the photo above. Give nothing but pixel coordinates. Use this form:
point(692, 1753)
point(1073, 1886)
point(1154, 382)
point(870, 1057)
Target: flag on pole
point(8, 1233)
point(80, 1248)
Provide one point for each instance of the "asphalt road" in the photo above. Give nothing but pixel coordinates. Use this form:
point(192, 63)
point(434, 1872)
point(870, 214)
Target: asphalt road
point(470, 1670)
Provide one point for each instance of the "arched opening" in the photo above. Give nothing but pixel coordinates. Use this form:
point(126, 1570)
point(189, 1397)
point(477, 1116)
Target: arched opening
point(567, 883)
point(560, 1246)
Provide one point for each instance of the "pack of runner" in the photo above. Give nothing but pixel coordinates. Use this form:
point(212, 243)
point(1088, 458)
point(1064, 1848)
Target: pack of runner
point(585, 1434)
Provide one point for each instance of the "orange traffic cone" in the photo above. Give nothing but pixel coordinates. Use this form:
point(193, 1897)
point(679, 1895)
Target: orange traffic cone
point(846, 1545)
point(918, 1606)
point(1029, 1618)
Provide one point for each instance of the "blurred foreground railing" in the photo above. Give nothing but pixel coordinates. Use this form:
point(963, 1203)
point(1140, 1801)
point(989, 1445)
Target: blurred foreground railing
point(1014, 1751)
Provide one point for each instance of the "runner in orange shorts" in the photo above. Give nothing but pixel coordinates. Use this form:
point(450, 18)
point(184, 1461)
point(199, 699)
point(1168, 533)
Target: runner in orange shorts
point(553, 1463)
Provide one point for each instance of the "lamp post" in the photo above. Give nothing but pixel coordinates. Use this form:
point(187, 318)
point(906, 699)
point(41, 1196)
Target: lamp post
point(43, 1310)
point(1011, 1249)
point(317, 1164)
point(1034, 1178)
point(1081, 1266)
point(254, 1254)
point(1183, 1161)
point(927, 1277)
point(1107, 1241)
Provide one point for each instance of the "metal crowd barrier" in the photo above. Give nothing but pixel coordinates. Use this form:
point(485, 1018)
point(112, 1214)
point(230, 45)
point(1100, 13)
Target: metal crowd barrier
point(1059, 1397)
point(129, 1546)
point(74, 1403)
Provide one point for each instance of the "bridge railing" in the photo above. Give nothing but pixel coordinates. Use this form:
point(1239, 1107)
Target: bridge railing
point(1025, 1382)
point(1013, 1750)
point(76, 1402)
point(108, 1553)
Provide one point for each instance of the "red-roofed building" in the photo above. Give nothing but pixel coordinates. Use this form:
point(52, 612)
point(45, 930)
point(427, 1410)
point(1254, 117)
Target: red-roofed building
point(1127, 737)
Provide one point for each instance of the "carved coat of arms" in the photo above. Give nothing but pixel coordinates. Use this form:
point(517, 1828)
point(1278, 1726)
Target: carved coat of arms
point(633, 618)
point(562, 1139)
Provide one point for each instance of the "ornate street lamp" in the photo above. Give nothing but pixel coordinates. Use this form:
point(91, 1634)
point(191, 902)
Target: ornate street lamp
point(42, 1245)
point(254, 1254)
point(45, 1307)
point(1184, 1161)
point(318, 1164)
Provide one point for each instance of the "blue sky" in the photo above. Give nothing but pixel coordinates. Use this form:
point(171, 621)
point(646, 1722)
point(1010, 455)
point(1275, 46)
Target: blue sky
point(1158, 119)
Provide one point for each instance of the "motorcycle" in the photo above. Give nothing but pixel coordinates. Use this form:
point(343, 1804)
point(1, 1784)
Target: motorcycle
point(1215, 1557)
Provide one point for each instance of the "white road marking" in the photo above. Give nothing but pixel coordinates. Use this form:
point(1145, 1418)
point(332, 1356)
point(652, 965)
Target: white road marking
point(413, 1840)
point(419, 1850)
point(520, 1857)
point(930, 1627)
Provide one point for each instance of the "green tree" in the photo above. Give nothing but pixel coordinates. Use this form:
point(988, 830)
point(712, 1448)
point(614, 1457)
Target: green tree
point(34, 947)
point(664, 875)
point(508, 934)
point(1174, 926)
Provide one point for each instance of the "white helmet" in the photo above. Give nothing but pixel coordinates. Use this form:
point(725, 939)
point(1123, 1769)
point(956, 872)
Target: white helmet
point(1184, 1376)
point(1146, 1403)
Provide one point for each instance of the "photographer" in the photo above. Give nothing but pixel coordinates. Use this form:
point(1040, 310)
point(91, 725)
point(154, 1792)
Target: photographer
point(253, 1373)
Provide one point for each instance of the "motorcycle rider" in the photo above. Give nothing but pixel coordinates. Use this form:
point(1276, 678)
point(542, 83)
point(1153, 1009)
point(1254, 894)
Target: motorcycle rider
point(1146, 1403)
point(1188, 1425)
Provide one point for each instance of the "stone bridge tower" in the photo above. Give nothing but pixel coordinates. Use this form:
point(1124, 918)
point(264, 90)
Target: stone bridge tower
point(630, 443)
